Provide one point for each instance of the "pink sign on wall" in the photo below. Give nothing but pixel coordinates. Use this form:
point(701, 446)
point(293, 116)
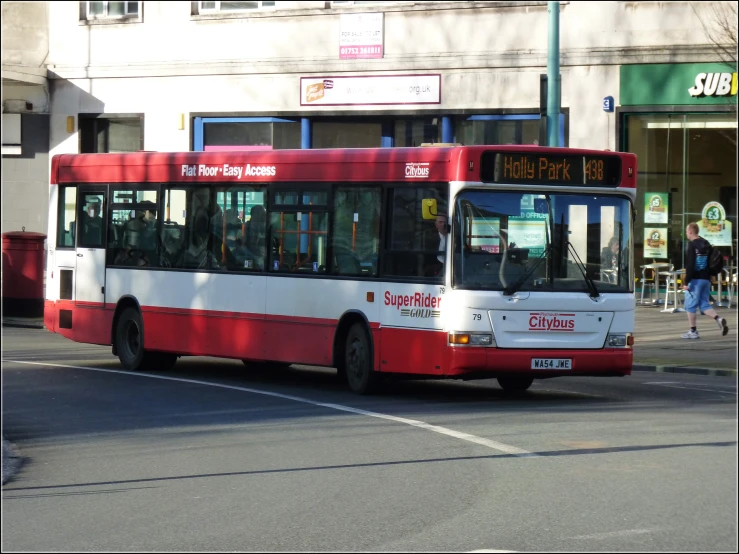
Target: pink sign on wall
point(361, 36)
point(360, 52)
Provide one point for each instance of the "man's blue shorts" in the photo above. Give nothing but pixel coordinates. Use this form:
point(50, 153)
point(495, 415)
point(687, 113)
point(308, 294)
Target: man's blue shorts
point(697, 295)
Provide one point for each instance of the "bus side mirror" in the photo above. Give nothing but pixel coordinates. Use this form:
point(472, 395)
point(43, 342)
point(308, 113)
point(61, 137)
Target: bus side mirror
point(429, 208)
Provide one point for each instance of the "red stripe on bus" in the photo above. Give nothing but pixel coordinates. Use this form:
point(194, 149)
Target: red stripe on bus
point(310, 341)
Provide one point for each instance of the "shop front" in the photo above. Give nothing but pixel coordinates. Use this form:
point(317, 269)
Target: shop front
point(681, 122)
point(369, 111)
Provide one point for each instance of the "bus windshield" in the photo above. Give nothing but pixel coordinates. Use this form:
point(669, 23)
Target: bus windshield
point(521, 241)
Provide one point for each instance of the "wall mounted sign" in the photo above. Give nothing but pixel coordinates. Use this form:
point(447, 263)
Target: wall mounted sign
point(374, 90)
point(693, 84)
point(608, 104)
point(656, 206)
point(714, 84)
point(361, 35)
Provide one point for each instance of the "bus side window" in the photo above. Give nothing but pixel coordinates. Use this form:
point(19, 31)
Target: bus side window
point(239, 239)
point(298, 222)
point(356, 234)
point(66, 224)
point(412, 243)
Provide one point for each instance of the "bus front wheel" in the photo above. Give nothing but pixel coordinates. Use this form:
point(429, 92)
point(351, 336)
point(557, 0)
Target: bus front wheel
point(129, 339)
point(515, 383)
point(360, 376)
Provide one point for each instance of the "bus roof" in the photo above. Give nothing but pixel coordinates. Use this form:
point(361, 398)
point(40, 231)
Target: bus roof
point(435, 164)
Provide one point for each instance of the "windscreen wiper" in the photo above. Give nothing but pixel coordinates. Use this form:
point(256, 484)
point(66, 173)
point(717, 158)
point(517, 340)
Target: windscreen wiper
point(581, 266)
point(515, 286)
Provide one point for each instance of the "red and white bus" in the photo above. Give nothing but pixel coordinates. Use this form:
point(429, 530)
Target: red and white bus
point(513, 262)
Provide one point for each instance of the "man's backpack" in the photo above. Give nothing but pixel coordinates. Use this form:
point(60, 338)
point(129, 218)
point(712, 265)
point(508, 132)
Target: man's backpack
point(715, 261)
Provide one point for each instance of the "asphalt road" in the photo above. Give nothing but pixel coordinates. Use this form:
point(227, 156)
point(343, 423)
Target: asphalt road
point(215, 456)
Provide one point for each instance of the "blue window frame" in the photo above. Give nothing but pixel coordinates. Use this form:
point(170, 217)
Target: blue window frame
point(267, 132)
point(491, 133)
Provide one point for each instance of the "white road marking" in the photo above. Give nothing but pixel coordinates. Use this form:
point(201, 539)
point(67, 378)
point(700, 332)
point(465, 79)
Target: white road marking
point(570, 392)
point(690, 388)
point(493, 551)
point(624, 533)
point(495, 445)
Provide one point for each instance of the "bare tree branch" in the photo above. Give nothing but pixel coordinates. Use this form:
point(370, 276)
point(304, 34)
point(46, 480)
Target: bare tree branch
point(720, 26)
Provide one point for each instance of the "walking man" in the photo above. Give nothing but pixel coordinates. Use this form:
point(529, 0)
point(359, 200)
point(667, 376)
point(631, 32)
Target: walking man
point(697, 283)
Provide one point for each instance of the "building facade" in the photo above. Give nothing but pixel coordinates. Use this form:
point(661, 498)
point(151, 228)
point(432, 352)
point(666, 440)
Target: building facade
point(174, 76)
point(25, 120)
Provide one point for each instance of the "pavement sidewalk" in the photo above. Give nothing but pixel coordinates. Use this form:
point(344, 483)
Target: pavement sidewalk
point(658, 343)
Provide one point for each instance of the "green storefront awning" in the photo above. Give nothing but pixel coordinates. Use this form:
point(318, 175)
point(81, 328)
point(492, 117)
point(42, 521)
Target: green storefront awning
point(670, 84)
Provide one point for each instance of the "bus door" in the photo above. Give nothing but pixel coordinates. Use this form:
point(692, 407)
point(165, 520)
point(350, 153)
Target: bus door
point(89, 277)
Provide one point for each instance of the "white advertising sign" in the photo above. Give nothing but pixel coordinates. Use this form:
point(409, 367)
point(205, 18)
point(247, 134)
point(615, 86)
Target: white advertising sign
point(714, 227)
point(361, 35)
point(531, 234)
point(370, 90)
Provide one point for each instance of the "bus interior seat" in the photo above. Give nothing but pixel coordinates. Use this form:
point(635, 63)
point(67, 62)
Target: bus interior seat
point(346, 263)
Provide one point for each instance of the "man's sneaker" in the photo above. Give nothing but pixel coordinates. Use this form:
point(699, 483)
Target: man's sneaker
point(691, 335)
point(721, 322)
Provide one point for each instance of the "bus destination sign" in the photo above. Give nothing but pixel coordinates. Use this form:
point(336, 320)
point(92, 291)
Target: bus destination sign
point(550, 169)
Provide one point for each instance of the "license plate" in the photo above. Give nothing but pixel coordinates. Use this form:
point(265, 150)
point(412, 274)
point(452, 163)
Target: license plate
point(550, 363)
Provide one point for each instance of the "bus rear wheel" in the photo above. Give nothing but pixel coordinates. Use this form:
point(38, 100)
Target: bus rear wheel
point(515, 383)
point(129, 341)
point(360, 376)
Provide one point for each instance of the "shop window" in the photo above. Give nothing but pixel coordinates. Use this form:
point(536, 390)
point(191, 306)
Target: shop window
point(66, 230)
point(347, 134)
point(499, 129)
point(110, 10)
point(342, 3)
point(414, 132)
point(101, 135)
point(689, 162)
point(355, 239)
point(215, 7)
point(412, 244)
point(246, 134)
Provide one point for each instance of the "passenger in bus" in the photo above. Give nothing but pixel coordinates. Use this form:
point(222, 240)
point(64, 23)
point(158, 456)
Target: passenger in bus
point(196, 255)
point(609, 256)
point(256, 231)
point(613, 259)
point(139, 237)
point(216, 229)
point(442, 228)
point(92, 224)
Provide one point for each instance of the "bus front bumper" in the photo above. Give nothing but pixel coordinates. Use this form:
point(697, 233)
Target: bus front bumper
point(468, 361)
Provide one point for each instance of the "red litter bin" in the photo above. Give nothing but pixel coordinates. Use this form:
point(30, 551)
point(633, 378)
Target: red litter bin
point(23, 274)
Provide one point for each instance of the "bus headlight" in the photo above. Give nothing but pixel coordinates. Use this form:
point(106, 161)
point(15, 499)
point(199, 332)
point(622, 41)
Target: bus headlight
point(471, 339)
point(620, 341)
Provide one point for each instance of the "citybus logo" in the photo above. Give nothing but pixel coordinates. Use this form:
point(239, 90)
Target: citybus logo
point(414, 305)
point(551, 322)
point(417, 170)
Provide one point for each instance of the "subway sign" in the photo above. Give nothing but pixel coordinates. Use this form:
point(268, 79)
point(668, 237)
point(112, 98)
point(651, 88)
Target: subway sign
point(714, 84)
point(550, 169)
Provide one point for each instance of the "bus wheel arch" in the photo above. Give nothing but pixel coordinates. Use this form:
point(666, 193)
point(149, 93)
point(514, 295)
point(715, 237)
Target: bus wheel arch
point(123, 303)
point(128, 340)
point(347, 322)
